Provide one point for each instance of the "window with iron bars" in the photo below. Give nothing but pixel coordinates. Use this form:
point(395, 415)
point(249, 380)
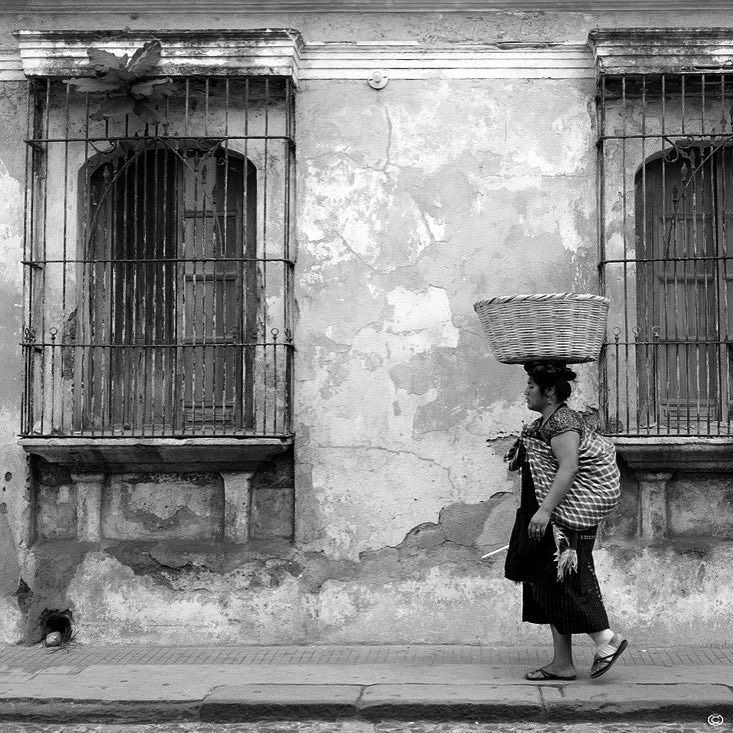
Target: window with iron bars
point(158, 263)
point(666, 204)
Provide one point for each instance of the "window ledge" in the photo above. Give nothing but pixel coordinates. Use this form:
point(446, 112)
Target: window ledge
point(663, 453)
point(172, 455)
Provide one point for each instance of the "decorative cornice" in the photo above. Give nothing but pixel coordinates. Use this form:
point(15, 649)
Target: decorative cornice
point(257, 7)
point(447, 61)
point(265, 52)
point(11, 67)
point(63, 54)
point(657, 50)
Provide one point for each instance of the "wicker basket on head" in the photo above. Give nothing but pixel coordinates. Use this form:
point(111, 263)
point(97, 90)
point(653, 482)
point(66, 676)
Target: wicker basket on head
point(567, 327)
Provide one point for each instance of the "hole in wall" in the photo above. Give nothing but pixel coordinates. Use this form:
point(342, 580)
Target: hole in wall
point(56, 621)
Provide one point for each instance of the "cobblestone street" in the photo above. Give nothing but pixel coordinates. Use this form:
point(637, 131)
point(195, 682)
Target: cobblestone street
point(351, 726)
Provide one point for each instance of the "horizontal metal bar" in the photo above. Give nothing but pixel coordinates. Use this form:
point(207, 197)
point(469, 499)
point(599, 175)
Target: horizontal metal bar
point(144, 139)
point(685, 137)
point(155, 261)
point(628, 260)
point(177, 345)
point(669, 342)
point(181, 434)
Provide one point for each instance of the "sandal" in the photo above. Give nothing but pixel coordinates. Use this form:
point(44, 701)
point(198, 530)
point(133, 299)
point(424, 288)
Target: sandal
point(542, 674)
point(601, 665)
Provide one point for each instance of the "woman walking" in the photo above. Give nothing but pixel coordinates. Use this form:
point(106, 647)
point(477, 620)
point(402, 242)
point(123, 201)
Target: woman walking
point(570, 481)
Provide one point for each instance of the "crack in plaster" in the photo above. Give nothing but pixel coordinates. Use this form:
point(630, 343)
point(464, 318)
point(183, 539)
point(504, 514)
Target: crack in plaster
point(356, 254)
point(387, 152)
point(358, 164)
point(430, 461)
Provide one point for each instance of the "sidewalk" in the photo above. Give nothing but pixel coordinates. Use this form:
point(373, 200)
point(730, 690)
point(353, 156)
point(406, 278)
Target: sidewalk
point(129, 684)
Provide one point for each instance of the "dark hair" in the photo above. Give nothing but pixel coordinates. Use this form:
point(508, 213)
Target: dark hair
point(549, 374)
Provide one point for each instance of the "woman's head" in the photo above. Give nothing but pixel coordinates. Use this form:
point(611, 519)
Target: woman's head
point(549, 382)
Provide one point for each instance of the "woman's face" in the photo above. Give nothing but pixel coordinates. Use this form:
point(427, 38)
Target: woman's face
point(535, 399)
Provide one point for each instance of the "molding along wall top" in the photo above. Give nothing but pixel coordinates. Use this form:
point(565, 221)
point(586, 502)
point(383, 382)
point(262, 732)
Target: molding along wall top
point(63, 54)
point(406, 60)
point(656, 50)
point(269, 52)
point(354, 6)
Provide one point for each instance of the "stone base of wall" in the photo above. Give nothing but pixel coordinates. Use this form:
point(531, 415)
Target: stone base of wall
point(271, 593)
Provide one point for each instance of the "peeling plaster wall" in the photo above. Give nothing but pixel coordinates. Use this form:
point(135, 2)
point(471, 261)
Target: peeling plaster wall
point(413, 202)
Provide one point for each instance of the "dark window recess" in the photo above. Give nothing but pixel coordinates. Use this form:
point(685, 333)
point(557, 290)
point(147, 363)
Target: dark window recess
point(158, 265)
point(666, 159)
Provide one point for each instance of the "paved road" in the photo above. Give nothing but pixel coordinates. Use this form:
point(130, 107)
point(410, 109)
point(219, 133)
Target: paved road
point(355, 726)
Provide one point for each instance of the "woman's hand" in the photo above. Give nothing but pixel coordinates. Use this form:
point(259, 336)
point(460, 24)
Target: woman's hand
point(538, 524)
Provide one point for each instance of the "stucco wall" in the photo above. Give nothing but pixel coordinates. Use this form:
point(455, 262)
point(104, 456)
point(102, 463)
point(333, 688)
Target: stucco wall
point(413, 202)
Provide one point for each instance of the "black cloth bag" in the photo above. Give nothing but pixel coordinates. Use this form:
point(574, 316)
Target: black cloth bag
point(528, 560)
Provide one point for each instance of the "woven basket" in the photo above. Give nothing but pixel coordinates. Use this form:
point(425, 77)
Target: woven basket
point(567, 327)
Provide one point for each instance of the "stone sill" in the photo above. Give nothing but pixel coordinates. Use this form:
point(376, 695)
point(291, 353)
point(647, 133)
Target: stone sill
point(668, 453)
point(167, 455)
point(208, 552)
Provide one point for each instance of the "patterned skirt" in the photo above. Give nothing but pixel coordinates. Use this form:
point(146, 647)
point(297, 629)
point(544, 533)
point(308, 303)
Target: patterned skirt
point(574, 606)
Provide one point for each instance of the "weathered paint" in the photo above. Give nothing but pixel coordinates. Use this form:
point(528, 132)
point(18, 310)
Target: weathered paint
point(413, 202)
point(457, 192)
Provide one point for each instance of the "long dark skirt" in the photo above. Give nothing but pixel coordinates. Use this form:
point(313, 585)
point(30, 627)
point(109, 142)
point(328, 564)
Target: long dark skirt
point(575, 605)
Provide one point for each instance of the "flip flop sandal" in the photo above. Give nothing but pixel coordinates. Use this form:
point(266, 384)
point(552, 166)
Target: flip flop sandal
point(607, 661)
point(545, 675)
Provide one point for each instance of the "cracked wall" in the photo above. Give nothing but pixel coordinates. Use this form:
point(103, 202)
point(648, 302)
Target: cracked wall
point(413, 202)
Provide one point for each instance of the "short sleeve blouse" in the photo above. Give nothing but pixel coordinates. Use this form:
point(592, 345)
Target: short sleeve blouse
point(561, 421)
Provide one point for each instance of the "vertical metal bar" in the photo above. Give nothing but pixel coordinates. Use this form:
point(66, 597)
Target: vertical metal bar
point(180, 321)
point(168, 373)
point(156, 326)
point(146, 267)
point(708, 267)
point(133, 328)
point(624, 195)
point(647, 330)
point(664, 310)
point(249, 296)
point(274, 332)
point(206, 205)
point(120, 376)
point(264, 249)
point(81, 352)
point(288, 274)
point(684, 243)
point(64, 251)
point(226, 266)
point(44, 280)
point(700, 275)
point(194, 348)
point(27, 397)
point(721, 251)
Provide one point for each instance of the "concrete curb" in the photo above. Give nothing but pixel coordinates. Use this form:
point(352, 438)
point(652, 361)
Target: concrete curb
point(545, 703)
point(60, 710)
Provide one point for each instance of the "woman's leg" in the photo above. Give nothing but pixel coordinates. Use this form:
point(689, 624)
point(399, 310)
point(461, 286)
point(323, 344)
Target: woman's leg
point(561, 666)
point(609, 647)
point(562, 661)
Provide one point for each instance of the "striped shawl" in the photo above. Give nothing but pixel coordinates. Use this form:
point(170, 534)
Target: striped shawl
point(596, 489)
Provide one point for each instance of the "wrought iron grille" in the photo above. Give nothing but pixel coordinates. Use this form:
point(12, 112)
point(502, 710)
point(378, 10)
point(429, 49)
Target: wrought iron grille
point(666, 215)
point(158, 263)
